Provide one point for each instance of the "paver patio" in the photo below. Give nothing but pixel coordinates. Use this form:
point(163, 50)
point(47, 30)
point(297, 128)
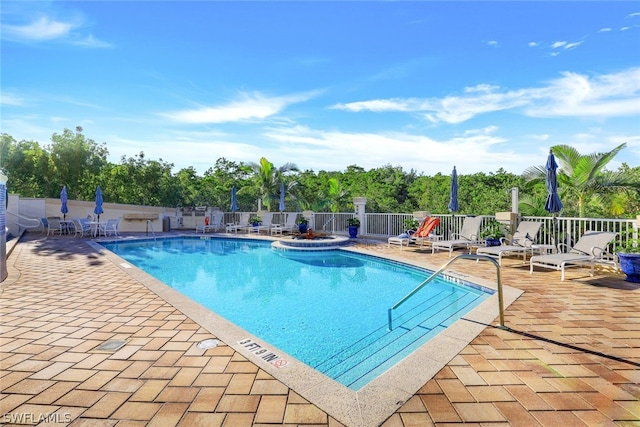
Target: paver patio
point(572, 356)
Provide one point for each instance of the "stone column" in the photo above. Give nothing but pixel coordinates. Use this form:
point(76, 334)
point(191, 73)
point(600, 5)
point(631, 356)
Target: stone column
point(360, 203)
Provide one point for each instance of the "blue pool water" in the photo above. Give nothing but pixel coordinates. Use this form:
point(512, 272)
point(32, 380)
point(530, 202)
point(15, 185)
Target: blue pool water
point(328, 309)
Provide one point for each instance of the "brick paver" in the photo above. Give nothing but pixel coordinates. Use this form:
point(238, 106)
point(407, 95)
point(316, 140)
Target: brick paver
point(572, 355)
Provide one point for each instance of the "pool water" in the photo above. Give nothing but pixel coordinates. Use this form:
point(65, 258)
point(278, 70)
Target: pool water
point(328, 309)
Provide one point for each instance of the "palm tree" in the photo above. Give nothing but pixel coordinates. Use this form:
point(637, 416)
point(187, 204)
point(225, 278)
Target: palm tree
point(581, 177)
point(267, 180)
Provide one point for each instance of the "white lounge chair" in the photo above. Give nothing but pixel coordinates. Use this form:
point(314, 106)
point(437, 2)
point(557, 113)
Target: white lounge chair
point(468, 236)
point(265, 224)
point(289, 225)
point(521, 242)
point(213, 225)
point(423, 234)
point(590, 249)
point(233, 227)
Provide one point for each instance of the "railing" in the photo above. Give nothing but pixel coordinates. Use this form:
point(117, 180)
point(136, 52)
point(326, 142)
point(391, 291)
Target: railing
point(34, 222)
point(150, 225)
point(440, 270)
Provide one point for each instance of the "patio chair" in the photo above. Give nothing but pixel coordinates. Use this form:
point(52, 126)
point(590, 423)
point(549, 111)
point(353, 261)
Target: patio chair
point(53, 226)
point(109, 227)
point(289, 225)
point(81, 227)
point(233, 227)
point(422, 235)
point(467, 237)
point(590, 249)
point(521, 242)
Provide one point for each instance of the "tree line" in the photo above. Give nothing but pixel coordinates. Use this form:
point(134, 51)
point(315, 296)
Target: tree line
point(586, 187)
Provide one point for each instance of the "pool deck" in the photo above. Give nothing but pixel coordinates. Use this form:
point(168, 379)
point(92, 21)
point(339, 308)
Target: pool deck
point(571, 356)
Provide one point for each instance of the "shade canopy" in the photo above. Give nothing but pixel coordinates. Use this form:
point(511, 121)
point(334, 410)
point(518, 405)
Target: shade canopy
point(453, 192)
point(553, 203)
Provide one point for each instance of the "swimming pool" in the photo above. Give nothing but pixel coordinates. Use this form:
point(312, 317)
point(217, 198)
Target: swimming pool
point(327, 309)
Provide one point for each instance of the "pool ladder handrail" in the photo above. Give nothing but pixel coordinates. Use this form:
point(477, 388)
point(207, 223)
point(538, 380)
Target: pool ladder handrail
point(440, 270)
point(150, 224)
point(324, 227)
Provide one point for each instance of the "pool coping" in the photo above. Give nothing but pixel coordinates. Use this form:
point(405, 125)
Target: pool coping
point(374, 402)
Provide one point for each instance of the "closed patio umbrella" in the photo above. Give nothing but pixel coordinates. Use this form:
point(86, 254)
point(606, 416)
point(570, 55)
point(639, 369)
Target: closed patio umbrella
point(281, 207)
point(453, 195)
point(234, 202)
point(63, 202)
point(553, 204)
point(98, 209)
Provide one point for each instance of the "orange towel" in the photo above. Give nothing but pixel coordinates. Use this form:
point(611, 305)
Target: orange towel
point(427, 226)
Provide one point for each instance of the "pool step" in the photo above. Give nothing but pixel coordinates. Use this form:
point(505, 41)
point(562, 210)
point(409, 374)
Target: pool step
point(358, 364)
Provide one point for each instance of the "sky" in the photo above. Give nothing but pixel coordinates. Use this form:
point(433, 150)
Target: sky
point(422, 85)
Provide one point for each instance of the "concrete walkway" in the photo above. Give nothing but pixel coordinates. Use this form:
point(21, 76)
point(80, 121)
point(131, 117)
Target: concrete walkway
point(572, 356)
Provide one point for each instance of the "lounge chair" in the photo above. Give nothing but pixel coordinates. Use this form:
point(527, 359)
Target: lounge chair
point(289, 225)
point(213, 225)
point(265, 224)
point(521, 242)
point(233, 227)
point(468, 236)
point(590, 249)
point(422, 235)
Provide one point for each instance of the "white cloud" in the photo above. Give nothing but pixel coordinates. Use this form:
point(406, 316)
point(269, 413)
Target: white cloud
point(42, 28)
point(249, 106)
point(604, 30)
point(533, 44)
point(492, 43)
point(572, 94)
point(556, 45)
point(13, 100)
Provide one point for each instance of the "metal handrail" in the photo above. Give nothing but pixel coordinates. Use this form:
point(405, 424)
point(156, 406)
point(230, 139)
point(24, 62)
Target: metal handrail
point(324, 227)
point(150, 224)
point(440, 270)
point(36, 221)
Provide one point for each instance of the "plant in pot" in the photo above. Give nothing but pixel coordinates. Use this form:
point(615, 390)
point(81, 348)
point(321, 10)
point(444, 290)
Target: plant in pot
point(410, 225)
point(303, 225)
point(353, 224)
point(492, 232)
point(255, 220)
point(628, 251)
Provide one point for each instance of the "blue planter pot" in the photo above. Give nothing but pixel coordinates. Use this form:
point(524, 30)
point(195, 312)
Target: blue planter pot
point(630, 265)
point(302, 228)
point(353, 231)
point(492, 242)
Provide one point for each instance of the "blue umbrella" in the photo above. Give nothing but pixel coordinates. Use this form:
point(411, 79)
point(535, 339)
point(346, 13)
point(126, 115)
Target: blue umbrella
point(281, 197)
point(234, 201)
point(98, 210)
point(453, 195)
point(453, 192)
point(63, 202)
point(553, 204)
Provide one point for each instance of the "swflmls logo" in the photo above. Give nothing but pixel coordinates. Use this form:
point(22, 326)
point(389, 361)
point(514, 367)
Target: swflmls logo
point(30, 418)
point(263, 353)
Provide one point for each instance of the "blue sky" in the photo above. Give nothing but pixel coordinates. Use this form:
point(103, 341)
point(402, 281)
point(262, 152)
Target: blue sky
point(421, 85)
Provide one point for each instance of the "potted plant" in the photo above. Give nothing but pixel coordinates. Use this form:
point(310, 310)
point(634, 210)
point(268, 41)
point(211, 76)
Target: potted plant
point(255, 220)
point(303, 225)
point(353, 224)
point(411, 224)
point(628, 252)
point(492, 232)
